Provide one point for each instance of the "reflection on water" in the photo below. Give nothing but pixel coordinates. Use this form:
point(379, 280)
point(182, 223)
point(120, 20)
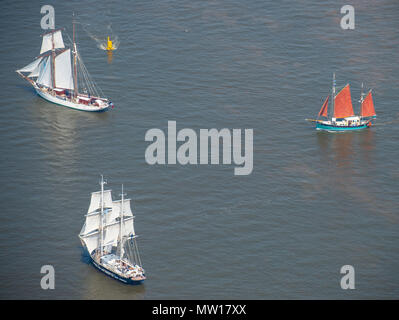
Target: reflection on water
point(97, 285)
point(109, 55)
point(367, 145)
point(60, 127)
point(343, 148)
point(84, 256)
point(349, 160)
point(344, 154)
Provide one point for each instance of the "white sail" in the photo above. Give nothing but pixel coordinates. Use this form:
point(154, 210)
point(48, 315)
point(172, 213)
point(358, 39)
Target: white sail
point(127, 212)
point(91, 242)
point(95, 202)
point(104, 229)
point(45, 74)
point(47, 43)
point(63, 70)
point(112, 231)
point(110, 217)
point(36, 72)
point(92, 223)
point(111, 234)
point(113, 215)
point(31, 66)
point(128, 227)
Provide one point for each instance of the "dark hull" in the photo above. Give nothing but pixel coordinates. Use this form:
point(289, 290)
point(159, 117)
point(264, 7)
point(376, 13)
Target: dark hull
point(116, 276)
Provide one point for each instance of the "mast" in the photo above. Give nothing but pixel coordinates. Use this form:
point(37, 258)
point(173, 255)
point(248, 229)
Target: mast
point(75, 72)
point(361, 101)
point(362, 94)
point(53, 60)
point(333, 96)
point(120, 229)
point(102, 215)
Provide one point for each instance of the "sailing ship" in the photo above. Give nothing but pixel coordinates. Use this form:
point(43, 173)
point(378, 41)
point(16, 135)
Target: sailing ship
point(55, 78)
point(108, 236)
point(342, 117)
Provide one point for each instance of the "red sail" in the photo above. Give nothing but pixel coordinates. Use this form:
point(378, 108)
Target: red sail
point(367, 109)
point(324, 108)
point(343, 103)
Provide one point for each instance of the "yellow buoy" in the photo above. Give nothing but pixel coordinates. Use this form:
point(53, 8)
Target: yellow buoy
point(109, 44)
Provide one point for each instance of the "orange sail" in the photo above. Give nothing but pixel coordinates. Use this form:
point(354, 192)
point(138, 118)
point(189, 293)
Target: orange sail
point(343, 103)
point(324, 108)
point(367, 109)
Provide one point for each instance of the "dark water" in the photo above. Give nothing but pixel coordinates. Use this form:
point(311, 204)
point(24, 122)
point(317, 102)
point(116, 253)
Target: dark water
point(313, 203)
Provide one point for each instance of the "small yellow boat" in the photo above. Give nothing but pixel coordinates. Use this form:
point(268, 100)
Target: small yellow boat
point(110, 46)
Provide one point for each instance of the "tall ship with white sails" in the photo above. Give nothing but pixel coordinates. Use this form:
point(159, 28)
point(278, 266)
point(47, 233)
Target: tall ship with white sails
point(55, 78)
point(109, 237)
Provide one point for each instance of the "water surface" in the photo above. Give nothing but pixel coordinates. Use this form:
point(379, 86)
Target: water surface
point(314, 202)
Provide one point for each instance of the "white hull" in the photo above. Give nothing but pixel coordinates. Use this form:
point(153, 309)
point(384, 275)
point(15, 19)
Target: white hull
point(70, 104)
point(57, 77)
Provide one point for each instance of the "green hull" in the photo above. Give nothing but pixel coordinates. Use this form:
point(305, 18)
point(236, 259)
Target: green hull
point(330, 127)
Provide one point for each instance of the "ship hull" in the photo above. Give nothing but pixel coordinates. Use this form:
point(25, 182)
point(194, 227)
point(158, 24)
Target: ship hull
point(329, 127)
point(69, 104)
point(115, 275)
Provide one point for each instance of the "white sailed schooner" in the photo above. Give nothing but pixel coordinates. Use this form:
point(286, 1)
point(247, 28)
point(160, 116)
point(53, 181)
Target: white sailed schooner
point(55, 78)
point(109, 237)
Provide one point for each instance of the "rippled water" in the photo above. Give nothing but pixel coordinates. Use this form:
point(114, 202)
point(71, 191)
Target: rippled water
point(313, 203)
